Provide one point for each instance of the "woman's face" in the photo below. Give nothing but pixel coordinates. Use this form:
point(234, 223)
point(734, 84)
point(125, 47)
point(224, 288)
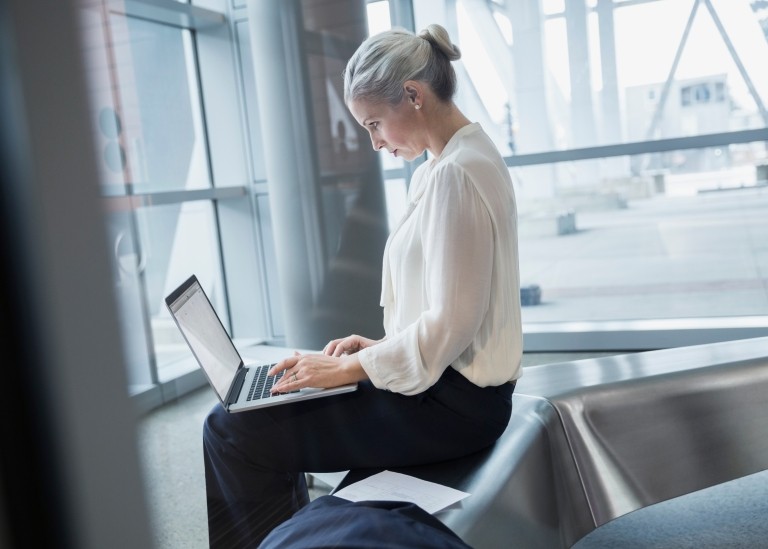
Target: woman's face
point(394, 128)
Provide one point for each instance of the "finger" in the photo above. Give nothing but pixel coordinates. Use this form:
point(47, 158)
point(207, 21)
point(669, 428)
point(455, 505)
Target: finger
point(279, 387)
point(341, 349)
point(289, 382)
point(283, 365)
point(330, 347)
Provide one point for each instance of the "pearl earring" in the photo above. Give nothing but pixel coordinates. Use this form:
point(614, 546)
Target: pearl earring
point(417, 107)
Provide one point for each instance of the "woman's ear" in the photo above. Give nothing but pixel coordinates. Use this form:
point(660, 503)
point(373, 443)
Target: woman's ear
point(411, 92)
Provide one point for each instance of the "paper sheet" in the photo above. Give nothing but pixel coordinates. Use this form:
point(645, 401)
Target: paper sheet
point(389, 486)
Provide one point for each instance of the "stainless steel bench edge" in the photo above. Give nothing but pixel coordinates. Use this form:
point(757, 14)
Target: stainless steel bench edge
point(690, 417)
point(527, 493)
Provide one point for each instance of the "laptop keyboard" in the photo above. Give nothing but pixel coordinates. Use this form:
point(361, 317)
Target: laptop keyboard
point(262, 383)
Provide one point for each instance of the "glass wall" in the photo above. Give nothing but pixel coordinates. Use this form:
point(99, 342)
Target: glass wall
point(635, 131)
point(636, 135)
point(160, 193)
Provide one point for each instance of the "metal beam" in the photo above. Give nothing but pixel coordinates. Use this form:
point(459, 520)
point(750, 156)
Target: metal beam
point(671, 77)
point(401, 14)
point(640, 147)
point(175, 14)
point(481, 18)
point(627, 149)
point(136, 201)
point(736, 59)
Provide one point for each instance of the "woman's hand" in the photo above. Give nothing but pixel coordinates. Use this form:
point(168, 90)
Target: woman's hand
point(316, 370)
point(348, 345)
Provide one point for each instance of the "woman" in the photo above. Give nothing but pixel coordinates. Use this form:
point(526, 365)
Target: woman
point(439, 384)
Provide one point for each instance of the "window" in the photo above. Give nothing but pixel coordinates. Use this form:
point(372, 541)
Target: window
point(638, 167)
point(685, 96)
point(166, 213)
point(701, 93)
point(615, 227)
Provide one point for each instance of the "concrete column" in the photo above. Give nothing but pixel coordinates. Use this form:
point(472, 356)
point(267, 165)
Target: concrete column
point(530, 76)
point(531, 97)
point(582, 112)
point(609, 97)
point(325, 188)
point(286, 157)
point(582, 124)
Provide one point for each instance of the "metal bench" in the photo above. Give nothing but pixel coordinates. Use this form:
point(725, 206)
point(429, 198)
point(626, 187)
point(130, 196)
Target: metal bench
point(592, 440)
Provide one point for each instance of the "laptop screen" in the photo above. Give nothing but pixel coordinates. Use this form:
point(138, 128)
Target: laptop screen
point(205, 335)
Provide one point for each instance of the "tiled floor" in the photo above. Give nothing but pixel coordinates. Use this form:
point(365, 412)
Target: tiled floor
point(726, 516)
point(170, 443)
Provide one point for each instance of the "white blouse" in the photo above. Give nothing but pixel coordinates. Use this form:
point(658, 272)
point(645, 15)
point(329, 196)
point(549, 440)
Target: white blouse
point(450, 285)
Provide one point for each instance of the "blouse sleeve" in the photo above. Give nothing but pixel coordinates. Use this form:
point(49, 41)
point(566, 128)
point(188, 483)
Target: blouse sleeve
point(458, 241)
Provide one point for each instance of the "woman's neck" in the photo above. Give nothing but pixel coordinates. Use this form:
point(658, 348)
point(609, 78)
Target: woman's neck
point(447, 119)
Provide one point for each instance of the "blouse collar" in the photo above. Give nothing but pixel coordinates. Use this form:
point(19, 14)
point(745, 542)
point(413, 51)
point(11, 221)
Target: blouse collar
point(453, 142)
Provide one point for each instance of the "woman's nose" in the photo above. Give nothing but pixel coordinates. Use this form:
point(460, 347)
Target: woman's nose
point(377, 143)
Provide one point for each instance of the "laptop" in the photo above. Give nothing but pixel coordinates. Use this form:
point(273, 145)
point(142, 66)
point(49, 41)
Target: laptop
point(239, 386)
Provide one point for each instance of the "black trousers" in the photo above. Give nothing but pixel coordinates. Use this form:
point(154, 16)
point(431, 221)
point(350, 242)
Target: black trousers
point(255, 461)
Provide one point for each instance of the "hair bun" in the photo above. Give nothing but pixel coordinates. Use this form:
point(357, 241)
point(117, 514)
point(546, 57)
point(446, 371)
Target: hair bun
point(437, 36)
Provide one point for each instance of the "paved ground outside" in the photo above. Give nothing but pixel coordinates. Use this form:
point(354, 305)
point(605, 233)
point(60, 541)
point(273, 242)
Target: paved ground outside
point(704, 255)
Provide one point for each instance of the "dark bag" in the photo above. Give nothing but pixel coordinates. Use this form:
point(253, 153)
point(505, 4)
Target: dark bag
point(329, 521)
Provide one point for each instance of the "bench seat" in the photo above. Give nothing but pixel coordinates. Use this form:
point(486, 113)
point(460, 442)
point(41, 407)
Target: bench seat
point(592, 440)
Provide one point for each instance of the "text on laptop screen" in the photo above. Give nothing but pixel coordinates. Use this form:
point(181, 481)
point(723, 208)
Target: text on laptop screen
point(207, 338)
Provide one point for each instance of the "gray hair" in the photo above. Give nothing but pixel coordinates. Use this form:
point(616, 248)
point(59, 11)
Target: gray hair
point(385, 61)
